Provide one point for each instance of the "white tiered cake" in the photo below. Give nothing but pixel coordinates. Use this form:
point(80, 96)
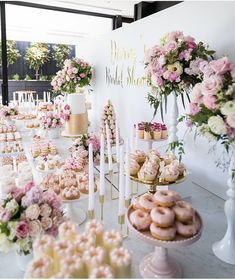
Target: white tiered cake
point(78, 121)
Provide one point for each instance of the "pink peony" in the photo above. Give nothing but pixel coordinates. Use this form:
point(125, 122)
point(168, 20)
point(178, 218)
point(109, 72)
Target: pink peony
point(210, 102)
point(46, 223)
point(211, 85)
point(45, 210)
point(35, 228)
point(220, 66)
point(231, 120)
point(32, 212)
point(194, 108)
point(22, 230)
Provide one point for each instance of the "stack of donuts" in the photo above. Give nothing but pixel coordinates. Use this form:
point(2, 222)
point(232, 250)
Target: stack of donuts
point(165, 215)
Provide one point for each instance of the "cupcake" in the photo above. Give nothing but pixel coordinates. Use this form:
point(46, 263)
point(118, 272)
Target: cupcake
point(111, 239)
point(148, 171)
point(168, 158)
point(140, 131)
point(157, 131)
point(134, 167)
point(170, 173)
point(180, 166)
point(139, 156)
point(164, 131)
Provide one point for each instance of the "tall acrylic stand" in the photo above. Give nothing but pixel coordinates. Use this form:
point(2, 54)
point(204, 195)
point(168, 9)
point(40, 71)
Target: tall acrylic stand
point(174, 121)
point(225, 248)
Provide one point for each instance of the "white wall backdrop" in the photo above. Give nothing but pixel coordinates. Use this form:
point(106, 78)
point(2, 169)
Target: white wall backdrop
point(210, 22)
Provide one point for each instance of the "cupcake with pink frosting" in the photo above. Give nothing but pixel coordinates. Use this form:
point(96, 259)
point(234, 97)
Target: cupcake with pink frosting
point(170, 173)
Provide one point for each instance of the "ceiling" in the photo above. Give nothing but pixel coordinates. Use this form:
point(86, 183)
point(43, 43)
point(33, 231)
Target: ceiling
point(123, 8)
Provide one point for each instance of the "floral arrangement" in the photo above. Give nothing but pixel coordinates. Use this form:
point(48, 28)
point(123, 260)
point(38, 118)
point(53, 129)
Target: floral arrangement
point(6, 111)
point(25, 214)
point(65, 113)
point(51, 120)
point(167, 66)
point(75, 73)
point(80, 147)
point(212, 107)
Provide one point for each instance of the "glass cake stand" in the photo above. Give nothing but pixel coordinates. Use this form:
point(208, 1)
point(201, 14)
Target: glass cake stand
point(159, 264)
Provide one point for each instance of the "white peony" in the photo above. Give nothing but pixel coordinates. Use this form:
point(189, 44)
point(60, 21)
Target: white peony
point(228, 108)
point(5, 244)
point(12, 206)
point(217, 125)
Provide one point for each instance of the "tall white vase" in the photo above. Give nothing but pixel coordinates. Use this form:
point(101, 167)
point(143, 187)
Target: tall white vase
point(23, 260)
point(225, 248)
point(174, 121)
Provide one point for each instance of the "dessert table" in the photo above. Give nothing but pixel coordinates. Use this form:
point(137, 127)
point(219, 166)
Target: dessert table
point(197, 260)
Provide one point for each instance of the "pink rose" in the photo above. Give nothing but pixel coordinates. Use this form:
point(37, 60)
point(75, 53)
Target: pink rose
point(211, 85)
point(196, 94)
point(231, 120)
point(194, 109)
point(220, 66)
point(210, 102)
point(46, 223)
point(5, 215)
point(170, 46)
point(191, 45)
point(32, 212)
point(28, 186)
point(22, 229)
point(82, 75)
point(45, 210)
point(35, 228)
point(232, 70)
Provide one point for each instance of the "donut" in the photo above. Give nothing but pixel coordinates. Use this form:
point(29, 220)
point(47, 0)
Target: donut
point(147, 202)
point(183, 211)
point(140, 219)
point(166, 198)
point(136, 203)
point(162, 217)
point(186, 229)
point(167, 234)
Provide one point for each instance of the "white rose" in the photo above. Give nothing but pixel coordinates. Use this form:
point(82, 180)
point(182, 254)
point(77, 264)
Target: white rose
point(12, 206)
point(217, 125)
point(228, 108)
point(75, 70)
point(35, 228)
point(32, 212)
point(5, 244)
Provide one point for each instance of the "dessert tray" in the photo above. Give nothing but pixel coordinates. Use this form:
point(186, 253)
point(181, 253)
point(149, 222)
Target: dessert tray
point(67, 135)
point(158, 264)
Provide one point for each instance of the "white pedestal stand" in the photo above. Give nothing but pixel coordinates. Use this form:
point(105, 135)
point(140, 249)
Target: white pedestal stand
point(159, 264)
point(225, 248)
point(174, 121)
point(76, 214)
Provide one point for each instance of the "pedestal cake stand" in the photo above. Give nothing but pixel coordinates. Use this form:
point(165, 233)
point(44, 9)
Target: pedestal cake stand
point(159, 264)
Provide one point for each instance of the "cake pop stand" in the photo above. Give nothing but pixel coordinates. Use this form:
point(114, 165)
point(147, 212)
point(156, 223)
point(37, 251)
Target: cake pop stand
point(159, 264)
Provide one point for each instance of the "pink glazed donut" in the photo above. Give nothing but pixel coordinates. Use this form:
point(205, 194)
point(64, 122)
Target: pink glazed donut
point(140, 219)
point(166, 198)
point(147, 202)
point(187, 229)
point(183, 211)
point(162, 217)
point(167, 234)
